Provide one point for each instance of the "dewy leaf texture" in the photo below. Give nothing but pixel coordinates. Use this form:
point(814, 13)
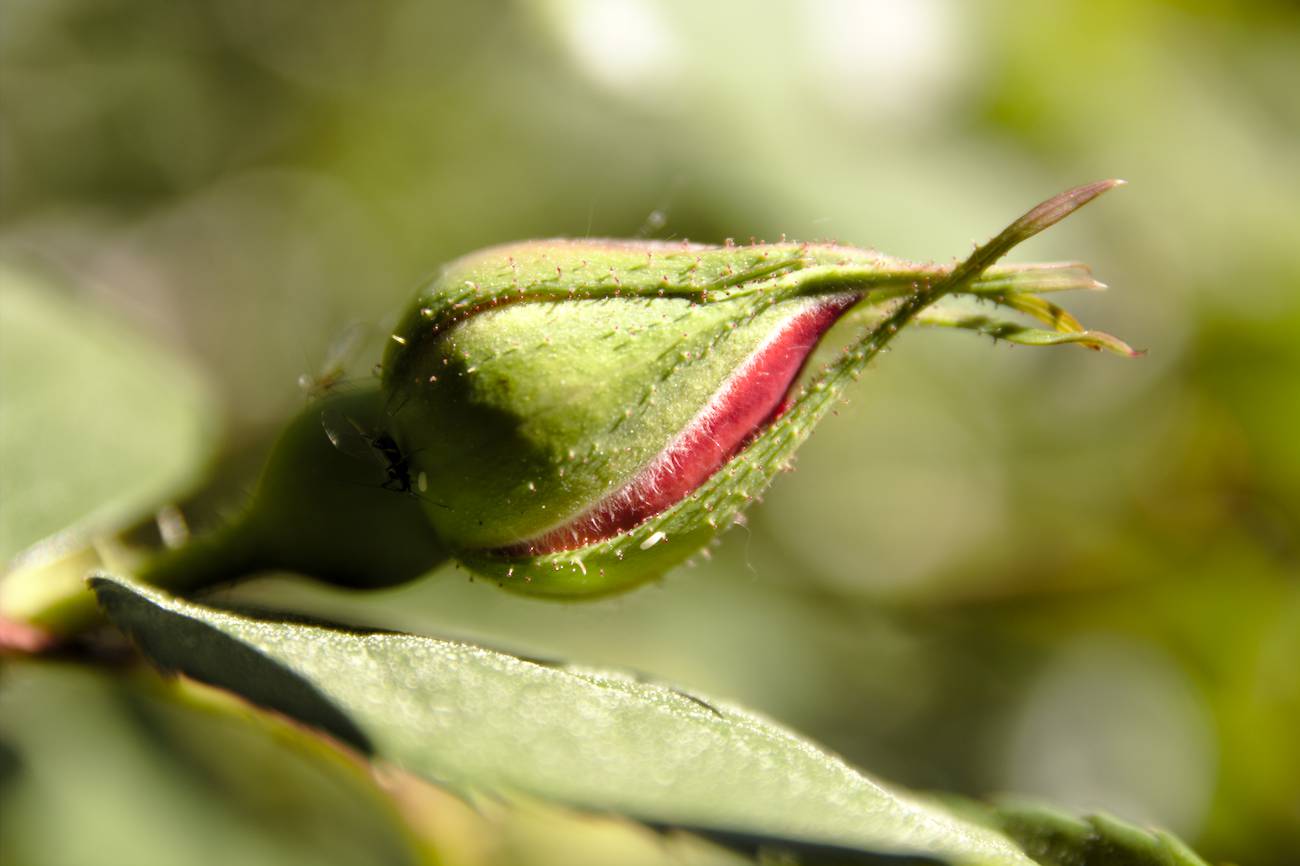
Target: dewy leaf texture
point(482, 722)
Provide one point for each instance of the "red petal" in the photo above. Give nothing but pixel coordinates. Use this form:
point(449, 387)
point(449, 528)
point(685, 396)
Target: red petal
point(754, 396)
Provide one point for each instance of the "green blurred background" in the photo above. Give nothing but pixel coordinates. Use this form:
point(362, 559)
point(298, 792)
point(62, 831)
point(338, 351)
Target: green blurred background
point(999, 570)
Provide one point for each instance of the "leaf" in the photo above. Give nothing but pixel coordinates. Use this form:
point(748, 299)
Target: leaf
point(102, 767)
point(99, 428)
point(483, 722)
point(1057, 839)
point(98, 424)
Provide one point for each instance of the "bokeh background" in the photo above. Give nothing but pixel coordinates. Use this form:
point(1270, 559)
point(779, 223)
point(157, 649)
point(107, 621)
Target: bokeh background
point(998, 570)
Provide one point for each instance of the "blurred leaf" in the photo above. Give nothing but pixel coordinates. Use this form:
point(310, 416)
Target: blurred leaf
point(110, 769)
point(484, 722)
point(1057, 839)
point(98, 424)
point(535, 833)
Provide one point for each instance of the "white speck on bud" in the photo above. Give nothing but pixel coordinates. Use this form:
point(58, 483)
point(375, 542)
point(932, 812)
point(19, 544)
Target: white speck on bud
point(655, 538)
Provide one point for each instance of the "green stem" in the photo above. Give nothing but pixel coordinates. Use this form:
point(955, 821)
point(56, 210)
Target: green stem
point(45, 597)
point(209, 559)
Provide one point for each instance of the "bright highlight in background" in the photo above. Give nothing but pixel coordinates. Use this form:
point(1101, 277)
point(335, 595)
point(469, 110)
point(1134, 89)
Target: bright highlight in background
point(624, 45)
point(892, 56)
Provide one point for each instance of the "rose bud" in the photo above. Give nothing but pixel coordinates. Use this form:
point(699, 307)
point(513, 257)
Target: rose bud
point(587, 414)
point(571, 418)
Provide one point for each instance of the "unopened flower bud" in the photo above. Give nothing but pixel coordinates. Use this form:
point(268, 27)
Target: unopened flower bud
point(587, 414)
point(572, 418)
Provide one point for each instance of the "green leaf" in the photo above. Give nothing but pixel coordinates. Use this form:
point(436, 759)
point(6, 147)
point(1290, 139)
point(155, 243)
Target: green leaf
point(1057, 839)
point(483, 722)
point(114, 769)
point(98, 425)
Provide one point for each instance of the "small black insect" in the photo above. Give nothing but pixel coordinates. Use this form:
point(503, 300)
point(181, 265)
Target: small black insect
point(354, 439)
point(398, 465)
